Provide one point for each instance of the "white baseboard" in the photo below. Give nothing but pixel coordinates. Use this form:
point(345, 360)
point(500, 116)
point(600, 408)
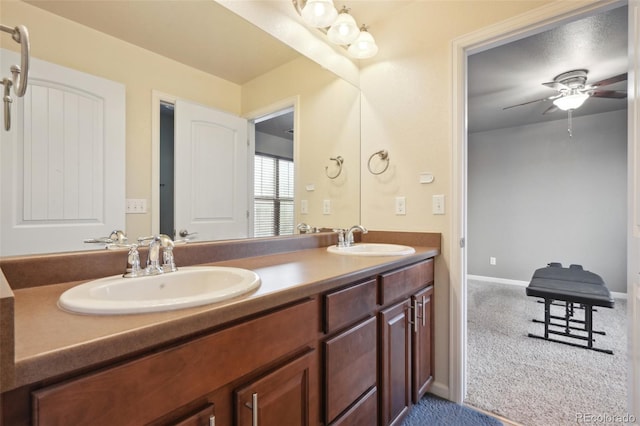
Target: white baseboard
point(519, 283)
point(440, 389)
point(498, 280)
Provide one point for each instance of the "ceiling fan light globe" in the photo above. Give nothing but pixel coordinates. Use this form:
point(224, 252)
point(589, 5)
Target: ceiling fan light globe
point(571, 102)
point(344, 30)
point(319, 13)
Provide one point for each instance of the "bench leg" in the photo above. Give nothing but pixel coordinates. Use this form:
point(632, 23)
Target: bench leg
point(569, 311)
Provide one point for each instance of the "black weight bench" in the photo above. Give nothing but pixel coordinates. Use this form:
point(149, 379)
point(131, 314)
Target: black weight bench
point(574, 288)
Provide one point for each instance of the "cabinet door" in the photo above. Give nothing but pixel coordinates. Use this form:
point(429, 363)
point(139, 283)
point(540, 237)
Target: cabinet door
point(395, 363)
point(350, 367)
point(422, 343)
point(280, 398)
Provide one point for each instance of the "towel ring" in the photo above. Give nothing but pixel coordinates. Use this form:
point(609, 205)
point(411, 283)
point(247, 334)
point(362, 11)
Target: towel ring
point(339, 160)
point(384, 156)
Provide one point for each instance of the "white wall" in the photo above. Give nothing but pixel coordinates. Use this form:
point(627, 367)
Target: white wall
point(535, 195)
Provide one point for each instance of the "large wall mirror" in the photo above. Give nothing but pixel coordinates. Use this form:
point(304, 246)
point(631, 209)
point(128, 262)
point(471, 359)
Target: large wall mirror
point(202, 53)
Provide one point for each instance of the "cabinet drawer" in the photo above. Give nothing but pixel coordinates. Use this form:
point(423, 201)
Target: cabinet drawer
point(403, 282)
point(350, 367)
point(140, 391)
point(362, 413)
point(344, 307)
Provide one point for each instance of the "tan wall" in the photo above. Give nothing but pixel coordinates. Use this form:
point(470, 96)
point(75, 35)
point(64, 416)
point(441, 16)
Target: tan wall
point(407, 110)
point(328, 126)
point(64, 42)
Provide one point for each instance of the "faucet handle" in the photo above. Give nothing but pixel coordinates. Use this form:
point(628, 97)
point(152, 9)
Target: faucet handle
point(340, 232)
point(116, 236)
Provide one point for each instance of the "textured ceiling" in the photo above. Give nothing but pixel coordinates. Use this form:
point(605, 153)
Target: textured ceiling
point(513, 73)
point(201, 34)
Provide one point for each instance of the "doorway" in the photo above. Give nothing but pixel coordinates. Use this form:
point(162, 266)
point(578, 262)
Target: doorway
point(508, 31)
point(274, 176)
point(200, 171)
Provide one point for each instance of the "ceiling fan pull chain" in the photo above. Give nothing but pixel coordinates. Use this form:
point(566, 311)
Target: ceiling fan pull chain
point(570, 129)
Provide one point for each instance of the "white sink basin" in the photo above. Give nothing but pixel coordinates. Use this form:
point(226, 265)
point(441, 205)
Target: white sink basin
point(187, 287)
point(372, 249)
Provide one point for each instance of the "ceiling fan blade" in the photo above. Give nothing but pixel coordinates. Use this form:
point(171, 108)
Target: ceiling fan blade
point(527, 103)
point(551, 109)
point(614, 94)
point(610, 80)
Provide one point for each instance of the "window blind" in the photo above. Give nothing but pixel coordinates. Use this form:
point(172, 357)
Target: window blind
point(273, 196)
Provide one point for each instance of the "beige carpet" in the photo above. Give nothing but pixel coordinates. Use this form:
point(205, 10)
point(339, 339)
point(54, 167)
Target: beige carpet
point(536, 382)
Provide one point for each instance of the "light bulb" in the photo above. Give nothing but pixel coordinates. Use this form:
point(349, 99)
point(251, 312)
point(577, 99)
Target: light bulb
point(364, 46)
point(570, 102)
point(344, 30)
point(319, 13)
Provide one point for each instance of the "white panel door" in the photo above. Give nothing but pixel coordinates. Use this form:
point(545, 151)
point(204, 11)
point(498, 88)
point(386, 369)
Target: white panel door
point(211, 185)
point(63, 161)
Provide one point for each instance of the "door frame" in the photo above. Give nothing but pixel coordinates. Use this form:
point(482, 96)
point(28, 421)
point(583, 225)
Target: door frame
point(156, 98)
point(275, 108)
point(512, 29)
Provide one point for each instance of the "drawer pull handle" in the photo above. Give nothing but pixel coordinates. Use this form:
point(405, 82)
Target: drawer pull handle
point(254, 409)
point(212, 420)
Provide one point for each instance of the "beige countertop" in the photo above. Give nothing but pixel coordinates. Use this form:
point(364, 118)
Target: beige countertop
point(50, 342)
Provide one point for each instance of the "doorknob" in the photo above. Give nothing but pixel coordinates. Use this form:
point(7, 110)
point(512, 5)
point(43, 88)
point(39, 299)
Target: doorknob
point(184, 233)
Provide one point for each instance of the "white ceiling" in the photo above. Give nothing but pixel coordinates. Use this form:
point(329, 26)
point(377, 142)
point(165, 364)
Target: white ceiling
point(513, 73)
point(200, 33)
point(207, 36)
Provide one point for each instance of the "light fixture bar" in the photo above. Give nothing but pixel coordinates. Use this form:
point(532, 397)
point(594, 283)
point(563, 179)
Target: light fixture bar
point(340, 28)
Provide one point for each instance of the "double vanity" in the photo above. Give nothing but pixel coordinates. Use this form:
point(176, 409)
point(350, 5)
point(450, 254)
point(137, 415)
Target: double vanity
point(320, 338)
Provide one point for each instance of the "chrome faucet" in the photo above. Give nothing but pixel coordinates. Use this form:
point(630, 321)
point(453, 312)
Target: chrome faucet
point(345, 236)
point(157, 242)
point(306, 229)
point(168, 261)
point(118, 241)
point(349, 236)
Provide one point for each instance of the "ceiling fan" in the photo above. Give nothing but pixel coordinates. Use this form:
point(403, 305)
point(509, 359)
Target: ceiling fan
point(573, 90)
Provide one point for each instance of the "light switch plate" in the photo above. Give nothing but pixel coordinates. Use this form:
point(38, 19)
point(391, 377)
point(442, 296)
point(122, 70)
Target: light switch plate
point(438, 204)
point(326, 206)
point(401, 206)
point(136, 206)
point(304, 207)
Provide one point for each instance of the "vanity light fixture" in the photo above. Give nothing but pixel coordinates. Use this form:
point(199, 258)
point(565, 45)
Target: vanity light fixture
point(364, 46)
point(319, 13)
point(340, 28)
point(344, 30)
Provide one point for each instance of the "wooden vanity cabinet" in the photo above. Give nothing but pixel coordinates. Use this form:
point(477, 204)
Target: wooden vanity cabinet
point(406, 345)
point(377, 367)
point(395, 363)
point(422, 344)
point(359, 355)
point(350, 354)
point(155, 386)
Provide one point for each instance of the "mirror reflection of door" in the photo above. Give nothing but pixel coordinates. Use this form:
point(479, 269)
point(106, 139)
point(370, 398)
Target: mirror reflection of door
point(203, 173)
point(274, 212)
point(166, 169)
